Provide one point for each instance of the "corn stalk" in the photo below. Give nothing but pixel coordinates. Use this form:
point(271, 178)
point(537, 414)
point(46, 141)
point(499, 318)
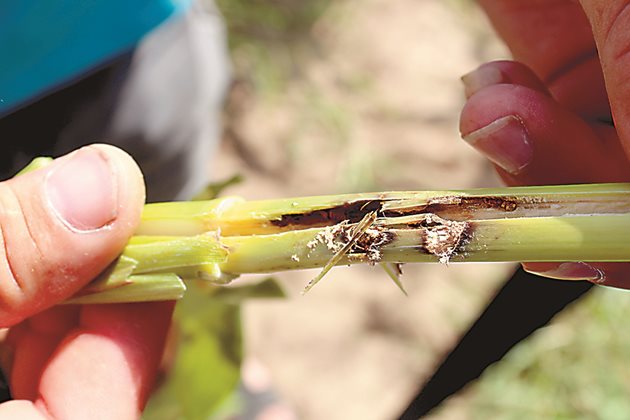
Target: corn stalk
point(217, 240)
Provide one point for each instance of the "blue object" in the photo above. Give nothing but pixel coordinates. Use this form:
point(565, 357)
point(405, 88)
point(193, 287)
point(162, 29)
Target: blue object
point(45, 44)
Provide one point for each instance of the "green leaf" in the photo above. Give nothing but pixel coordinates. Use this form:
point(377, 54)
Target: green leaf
point(268, 288)
point(213, 190)
point(206, 370)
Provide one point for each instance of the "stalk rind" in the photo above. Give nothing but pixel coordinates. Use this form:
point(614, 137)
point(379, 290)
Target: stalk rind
point(218, 240)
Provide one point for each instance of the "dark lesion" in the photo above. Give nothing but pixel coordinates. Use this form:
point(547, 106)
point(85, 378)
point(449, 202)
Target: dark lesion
point(372, 242)
point(460, 207)
point(352, 212)
point(499, 203)
point(443, 238)
point(449, 207)
point(444, 224)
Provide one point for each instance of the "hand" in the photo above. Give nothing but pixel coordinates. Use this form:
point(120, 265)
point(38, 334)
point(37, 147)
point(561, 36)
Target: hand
point(546, 119)
point(61, 226)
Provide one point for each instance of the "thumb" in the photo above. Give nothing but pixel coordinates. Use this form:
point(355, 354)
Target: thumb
point(610, 22)
point(62, 225)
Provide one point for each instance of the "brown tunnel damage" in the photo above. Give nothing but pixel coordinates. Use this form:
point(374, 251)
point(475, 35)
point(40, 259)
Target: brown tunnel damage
point(443, 238)
point(352, 212)
point(363, 243)
point(443, 224)
point(447, 207)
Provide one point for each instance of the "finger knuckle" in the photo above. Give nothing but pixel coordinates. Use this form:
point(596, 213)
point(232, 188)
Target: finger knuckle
point(20, 255)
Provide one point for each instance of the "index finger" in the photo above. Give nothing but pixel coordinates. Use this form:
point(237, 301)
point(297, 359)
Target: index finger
point(103, 365)
point(610, 20)
point(554, 39)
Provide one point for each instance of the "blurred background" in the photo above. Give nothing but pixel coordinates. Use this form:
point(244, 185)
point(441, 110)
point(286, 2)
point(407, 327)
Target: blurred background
point(347, 96)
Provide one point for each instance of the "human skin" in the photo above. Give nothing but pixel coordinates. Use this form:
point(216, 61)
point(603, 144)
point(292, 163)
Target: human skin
point(547, 117)
point(61, 226)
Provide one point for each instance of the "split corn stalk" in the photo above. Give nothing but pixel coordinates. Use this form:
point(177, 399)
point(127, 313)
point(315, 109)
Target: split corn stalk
point(217, 240)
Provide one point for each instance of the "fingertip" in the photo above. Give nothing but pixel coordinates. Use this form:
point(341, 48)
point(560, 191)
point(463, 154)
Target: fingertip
point(501, 72)
point(613, 275)
point(23, 410)
point(127, 169)
point(109, 363)
point(564, 148)
point(483, 76)
point(90, 376)
point(573, 271)
point(505, 142)
point(95, 187)
point(498, 101)
point(130, 188)
point(63, 224)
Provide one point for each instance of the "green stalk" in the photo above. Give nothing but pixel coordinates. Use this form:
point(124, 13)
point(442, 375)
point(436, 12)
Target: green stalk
point(138, 288)
point(551, 223)
point(234, 216)
point(191, 257)
point(570, 238)
point(218, 240)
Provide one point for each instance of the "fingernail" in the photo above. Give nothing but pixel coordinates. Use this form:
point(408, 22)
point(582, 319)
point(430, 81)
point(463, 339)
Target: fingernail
point(82, 191)
point(504, 142)
point(480, 78)
point(574, 271)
